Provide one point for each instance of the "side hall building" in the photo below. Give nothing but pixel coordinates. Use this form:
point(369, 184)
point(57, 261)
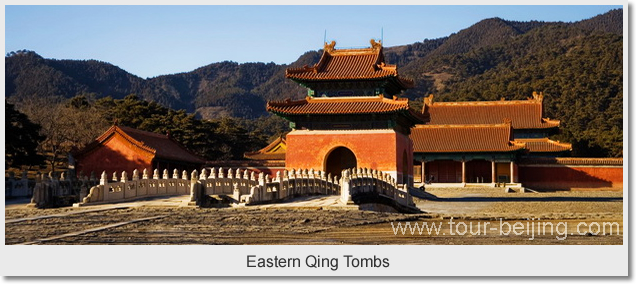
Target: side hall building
point(481, 141)
point(122, 148)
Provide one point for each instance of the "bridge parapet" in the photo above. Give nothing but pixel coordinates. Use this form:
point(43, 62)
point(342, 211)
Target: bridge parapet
point(124, 189)
point(246, 187)
point(362, 181)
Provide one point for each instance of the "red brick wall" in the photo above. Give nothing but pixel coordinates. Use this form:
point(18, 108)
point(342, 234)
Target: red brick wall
point(404, 144)
point(562, 177)
point(374, 149)
point(116, 154)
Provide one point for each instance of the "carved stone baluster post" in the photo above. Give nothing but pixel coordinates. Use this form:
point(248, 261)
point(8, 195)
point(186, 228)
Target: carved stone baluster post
point(105, 187)
point(203, 180)
point(229, 182)
point(262, 186)
point(282, 193)
point(291, 178)
point(124, 181)
point(184, 181)
point(345, 188)
point(193, 186)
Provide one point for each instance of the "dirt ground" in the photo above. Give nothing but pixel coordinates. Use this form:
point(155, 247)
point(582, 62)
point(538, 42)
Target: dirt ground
point(479, 216)
point(492, 202)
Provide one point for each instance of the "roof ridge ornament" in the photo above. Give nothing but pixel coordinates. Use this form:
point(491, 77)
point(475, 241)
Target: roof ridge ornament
point(537, 96)
point(329, 47)
point(376, 45)
point(429, 100)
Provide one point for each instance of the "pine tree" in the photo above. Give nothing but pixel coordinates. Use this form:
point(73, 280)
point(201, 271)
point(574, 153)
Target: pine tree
point(22, 139)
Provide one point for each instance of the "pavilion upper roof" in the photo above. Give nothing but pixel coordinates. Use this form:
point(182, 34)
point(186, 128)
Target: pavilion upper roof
point(345, 105)
point(525, 114)
point(349, 64)
point(464, 138)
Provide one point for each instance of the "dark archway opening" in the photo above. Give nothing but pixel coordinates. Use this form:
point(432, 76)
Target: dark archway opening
point(339, 159)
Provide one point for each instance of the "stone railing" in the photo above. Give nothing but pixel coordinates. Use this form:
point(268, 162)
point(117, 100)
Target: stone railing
point(291, 184)
point(309, 182)
point(246, 187)
point(221, 182)
point(52, 191)
point(125, 189)
point(18, 187)
point(366, 181)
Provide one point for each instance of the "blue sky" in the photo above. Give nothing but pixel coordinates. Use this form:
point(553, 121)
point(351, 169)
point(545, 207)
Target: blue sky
point(155, 40)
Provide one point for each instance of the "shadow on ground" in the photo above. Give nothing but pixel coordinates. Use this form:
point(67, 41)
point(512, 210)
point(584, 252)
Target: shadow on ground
point(530, 199)
point(428, 196)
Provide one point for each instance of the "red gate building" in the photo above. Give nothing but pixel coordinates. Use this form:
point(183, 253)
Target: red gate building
point(351, 116)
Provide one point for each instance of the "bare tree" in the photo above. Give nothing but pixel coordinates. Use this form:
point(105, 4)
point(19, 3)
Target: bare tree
point(65, 126)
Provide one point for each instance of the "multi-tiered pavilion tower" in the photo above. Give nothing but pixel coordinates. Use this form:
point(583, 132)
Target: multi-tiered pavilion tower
point(351, 116)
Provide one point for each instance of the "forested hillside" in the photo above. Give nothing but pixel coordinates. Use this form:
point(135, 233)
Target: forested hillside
point(578, 67)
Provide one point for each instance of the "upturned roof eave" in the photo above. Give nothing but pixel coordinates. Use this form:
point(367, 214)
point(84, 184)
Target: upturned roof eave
point(110, 132)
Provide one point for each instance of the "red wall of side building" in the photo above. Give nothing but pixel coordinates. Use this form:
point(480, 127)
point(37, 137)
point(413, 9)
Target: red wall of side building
point(116, 154)
point(562, 177)
point(382, 150)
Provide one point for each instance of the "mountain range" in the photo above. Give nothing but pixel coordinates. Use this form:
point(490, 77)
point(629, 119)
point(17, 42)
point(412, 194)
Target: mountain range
point(577, 65)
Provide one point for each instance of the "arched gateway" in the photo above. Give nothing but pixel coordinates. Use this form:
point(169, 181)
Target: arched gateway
point(339, 159)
